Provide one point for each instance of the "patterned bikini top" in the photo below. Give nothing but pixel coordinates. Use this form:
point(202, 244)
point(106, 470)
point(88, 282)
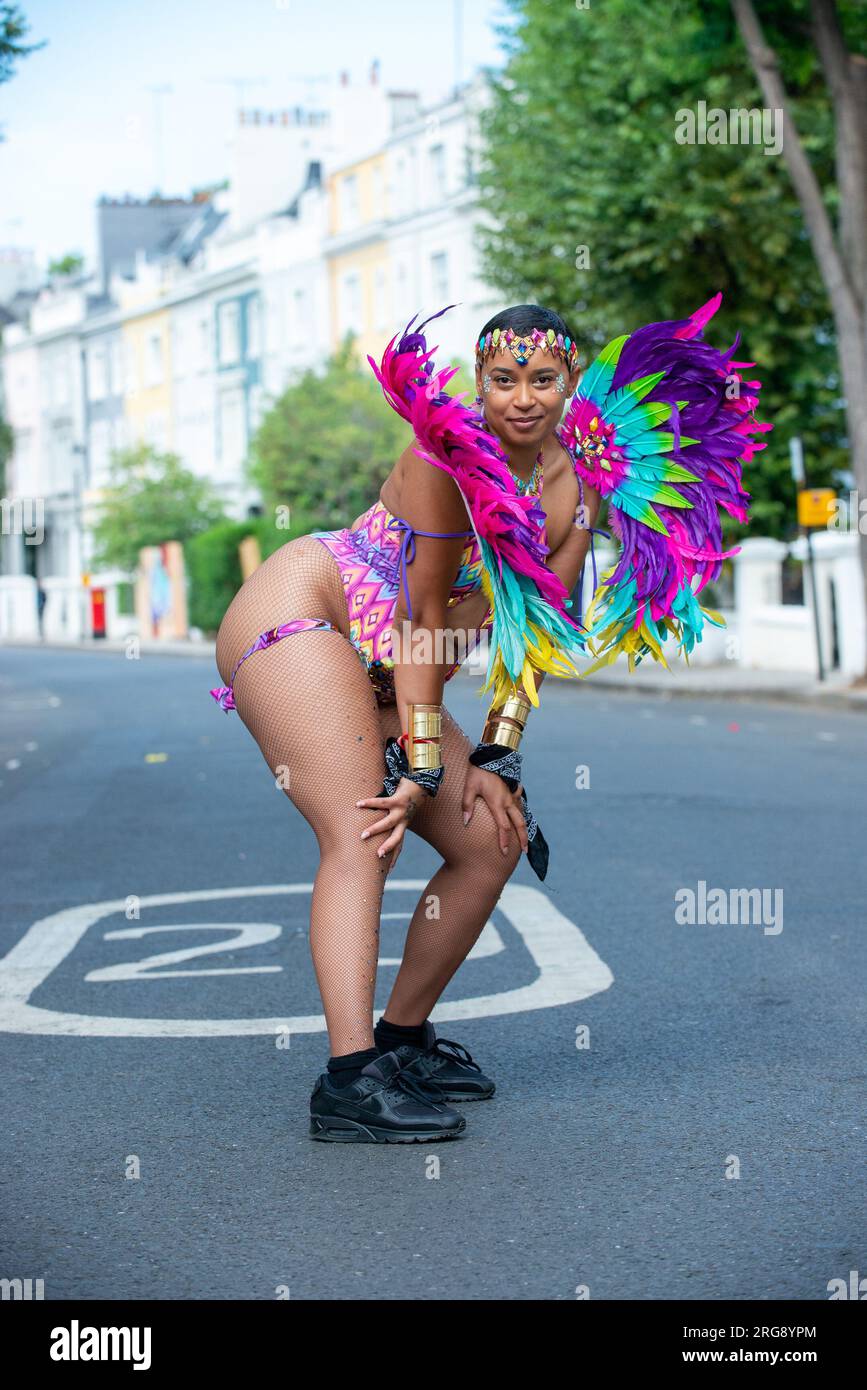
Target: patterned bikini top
point(386, 543)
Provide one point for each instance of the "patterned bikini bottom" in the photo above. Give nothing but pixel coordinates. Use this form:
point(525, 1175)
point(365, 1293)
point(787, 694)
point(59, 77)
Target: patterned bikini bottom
point(225, 695)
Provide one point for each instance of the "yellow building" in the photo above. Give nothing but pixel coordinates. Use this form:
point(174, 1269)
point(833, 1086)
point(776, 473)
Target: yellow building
point(357, 256)
point(148, 404)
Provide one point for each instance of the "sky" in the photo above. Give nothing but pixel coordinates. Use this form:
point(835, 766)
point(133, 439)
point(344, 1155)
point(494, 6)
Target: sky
point(80, 117)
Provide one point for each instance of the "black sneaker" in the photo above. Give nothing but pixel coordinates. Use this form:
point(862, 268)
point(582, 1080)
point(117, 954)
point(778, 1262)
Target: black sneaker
point(445, 1068)
point(384, 1106)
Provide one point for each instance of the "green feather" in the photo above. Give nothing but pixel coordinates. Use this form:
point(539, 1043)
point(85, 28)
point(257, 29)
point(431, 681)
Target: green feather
point(641, 511)
point(602, 368)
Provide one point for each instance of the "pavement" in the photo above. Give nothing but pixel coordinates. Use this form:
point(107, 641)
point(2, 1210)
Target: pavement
point(727, 681)
point(680, 1105)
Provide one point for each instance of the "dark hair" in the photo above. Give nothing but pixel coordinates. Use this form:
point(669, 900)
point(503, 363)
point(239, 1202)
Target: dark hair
point(523, 318)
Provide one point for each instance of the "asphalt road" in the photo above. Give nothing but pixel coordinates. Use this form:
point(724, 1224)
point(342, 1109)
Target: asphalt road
point(714, 1048)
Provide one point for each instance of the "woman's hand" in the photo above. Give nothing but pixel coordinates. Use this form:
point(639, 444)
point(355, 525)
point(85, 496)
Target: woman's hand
point(398, 810)
point(504, 806)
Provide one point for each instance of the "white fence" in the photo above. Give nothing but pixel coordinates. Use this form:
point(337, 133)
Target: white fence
point(762, 632)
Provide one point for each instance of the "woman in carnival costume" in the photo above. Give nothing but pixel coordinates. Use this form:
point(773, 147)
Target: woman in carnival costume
point(481, 530)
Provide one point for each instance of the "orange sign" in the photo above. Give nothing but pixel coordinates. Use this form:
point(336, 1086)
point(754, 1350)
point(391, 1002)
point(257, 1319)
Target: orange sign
point(815, 506)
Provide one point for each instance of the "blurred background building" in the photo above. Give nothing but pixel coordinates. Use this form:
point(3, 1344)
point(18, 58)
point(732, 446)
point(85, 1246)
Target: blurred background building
point(344, 216)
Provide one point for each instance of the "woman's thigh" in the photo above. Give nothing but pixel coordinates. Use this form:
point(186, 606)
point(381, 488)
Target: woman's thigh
point(439, 819)
point(309, 704)
point(300, 580)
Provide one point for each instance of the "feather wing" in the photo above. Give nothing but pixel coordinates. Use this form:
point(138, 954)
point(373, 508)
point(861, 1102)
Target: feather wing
point(661, 425)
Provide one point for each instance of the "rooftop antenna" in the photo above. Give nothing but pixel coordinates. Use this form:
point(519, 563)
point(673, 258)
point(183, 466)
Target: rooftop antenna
point(310, 80)
point(239, 85)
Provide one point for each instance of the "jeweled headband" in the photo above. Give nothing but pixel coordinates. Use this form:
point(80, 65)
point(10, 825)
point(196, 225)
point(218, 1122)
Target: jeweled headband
point(522, 347)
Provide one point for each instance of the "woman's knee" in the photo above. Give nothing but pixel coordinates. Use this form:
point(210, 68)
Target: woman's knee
point(349, 857)
point(479, 845)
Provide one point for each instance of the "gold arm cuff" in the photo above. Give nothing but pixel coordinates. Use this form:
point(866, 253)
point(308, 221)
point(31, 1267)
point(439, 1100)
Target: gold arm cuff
point(495, 731)
point(515, 707)
point(427, 756)
point(424, 722)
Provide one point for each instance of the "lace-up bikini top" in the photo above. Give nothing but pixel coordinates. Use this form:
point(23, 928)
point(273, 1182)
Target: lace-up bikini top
point(387, 543)
point(373, 558)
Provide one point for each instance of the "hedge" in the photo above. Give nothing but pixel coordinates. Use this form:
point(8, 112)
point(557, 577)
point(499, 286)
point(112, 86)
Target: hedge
point(213, 564)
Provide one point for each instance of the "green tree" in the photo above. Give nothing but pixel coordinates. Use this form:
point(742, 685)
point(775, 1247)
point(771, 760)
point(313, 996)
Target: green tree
point(327, 443)
point(834, 207)
point(70, 264)
point(152, 498)
point(580, 153)
point(13, 30)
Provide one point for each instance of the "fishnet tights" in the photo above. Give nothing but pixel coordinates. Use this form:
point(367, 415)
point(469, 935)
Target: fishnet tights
point(310, 706)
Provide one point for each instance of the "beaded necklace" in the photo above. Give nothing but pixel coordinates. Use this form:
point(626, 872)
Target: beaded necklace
point(528, 485)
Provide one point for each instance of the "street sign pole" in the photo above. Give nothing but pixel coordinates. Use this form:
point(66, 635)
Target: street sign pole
point(812, 568)
point(814, 509)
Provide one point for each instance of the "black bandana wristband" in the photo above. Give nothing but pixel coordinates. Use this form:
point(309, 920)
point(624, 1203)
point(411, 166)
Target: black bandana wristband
point(398, 766)
point(506, 762)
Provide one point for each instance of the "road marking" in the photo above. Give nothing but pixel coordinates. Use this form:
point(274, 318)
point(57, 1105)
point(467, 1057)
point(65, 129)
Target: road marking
point(246, 934)
point(568, 969)
point(490, 943)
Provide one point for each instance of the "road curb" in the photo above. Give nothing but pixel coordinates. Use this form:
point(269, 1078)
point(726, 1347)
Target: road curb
point(836, 697)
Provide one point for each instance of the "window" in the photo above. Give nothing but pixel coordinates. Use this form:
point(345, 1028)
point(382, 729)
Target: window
point(204, 343)
point(230, 333)
point(60, 384)
point(180, 355)
point(232, 438)
point(380, 298)
point(438, 174)
point(116, 367)
point(100, 452)
point(350, 214)
point(97, 373)
point(351, 305)
point(439, 267)
point(254, 328)
point(130, 368)
point(154, 359)
point(401, 187)
point(257, 407)
point(378, 192)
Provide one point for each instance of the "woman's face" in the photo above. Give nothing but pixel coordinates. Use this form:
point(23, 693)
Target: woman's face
point(524, 404)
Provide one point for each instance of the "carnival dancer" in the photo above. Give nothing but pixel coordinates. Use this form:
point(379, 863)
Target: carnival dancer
point(481, 530)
